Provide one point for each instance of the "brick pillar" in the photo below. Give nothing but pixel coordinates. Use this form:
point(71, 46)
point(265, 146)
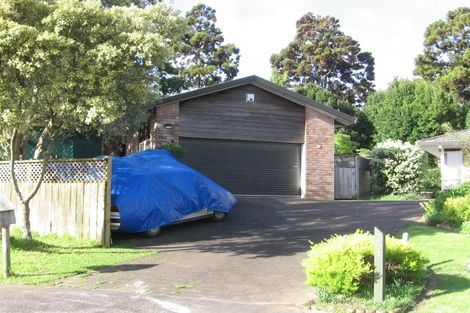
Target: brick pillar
point(167, 114)
point(319, 154)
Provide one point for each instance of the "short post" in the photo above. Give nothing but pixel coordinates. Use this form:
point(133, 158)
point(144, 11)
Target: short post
point(379, 266)
point(7, 218)
point(405, 237)
point(6, 250)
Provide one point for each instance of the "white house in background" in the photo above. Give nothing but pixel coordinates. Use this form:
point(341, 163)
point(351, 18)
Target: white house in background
point(448, 148)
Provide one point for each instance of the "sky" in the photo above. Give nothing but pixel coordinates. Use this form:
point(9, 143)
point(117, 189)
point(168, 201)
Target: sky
point(392, 30)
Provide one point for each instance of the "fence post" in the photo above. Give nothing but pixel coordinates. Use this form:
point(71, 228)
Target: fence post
point(6, 250)
point(107, 203)
point(358, 177)
point(379, 266)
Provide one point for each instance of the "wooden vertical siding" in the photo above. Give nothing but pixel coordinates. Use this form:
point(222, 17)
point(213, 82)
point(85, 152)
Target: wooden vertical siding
point(227, 115)
point(352, 177)
point(74, 198)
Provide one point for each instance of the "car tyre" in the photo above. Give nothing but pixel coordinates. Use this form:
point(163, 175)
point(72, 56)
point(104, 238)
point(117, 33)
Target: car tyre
point(152, 233)
point(218, 216)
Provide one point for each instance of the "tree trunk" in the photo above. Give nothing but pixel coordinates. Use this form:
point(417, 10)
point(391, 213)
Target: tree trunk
point(26, 227)
point(13, 157)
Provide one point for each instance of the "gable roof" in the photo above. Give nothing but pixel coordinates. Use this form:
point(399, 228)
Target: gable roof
point(452, 140)
point(282, 92)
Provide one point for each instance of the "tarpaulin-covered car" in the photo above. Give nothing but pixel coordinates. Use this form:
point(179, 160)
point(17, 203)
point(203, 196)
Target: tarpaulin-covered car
point(151, 189)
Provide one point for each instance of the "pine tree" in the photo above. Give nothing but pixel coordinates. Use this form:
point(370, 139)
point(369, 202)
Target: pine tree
point(323, 55)
point(202, 57)
point(446, 57)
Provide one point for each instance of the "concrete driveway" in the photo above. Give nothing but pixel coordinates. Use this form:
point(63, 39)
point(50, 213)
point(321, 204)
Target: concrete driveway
point(251, 261)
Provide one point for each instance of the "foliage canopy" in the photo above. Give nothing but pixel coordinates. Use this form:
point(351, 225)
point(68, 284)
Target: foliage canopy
point(410, 110)
point(202, 58)
point(323, 55)
point(446, 56)
point(71, 65)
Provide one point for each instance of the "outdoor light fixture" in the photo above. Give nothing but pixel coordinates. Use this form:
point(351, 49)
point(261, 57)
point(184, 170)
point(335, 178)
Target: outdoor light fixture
point(168, 126)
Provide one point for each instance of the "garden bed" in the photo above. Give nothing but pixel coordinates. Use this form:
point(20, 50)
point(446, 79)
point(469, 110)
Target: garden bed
point(448, 290)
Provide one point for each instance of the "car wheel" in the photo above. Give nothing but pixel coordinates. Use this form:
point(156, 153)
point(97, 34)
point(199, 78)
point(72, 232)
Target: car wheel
point(218, 216)
point(152, 233)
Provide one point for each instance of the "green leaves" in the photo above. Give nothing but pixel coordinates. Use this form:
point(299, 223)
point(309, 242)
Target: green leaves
point(202, 59)
point(323, 55)
point(410, 110)
point(446, 56)
point(80, 65)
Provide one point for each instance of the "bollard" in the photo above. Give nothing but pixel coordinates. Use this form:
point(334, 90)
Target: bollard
point(379, 266)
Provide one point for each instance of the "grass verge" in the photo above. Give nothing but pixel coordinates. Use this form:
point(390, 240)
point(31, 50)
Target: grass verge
point(449, 256)
point(48, 258)
point(408, 196)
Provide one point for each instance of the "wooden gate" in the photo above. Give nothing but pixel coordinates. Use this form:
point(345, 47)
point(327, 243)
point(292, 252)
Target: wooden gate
point(352, 177)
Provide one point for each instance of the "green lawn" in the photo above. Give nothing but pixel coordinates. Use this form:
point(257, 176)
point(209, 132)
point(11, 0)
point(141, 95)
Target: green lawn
point(48, 258)
point(448, 254)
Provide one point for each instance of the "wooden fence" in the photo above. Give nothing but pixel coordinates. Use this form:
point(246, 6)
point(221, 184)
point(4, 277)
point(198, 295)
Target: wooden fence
point(74, 198)
point(352, 177)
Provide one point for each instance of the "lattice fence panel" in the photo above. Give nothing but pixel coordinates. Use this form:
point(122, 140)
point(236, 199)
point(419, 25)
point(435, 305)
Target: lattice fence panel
point(57, 171)
point(345, 161)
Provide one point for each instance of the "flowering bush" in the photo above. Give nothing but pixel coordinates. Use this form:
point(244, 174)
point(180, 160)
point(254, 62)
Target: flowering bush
point(397, 167)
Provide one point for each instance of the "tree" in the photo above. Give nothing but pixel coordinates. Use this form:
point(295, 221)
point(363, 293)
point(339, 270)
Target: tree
point(410, 110)
point(323, 55)
point(139, 3)
point(202, 57)
point(446, 57)
point(72, 65)
point(344, 144)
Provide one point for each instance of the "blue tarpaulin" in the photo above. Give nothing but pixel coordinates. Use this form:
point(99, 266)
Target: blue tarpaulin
point(152, 189)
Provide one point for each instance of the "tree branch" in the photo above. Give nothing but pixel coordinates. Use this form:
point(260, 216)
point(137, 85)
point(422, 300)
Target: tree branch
point(45, 160)
point(13, 156)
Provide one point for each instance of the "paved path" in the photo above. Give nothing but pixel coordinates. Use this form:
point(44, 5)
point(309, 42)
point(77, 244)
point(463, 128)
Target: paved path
point(28, 299)
point(248, 263)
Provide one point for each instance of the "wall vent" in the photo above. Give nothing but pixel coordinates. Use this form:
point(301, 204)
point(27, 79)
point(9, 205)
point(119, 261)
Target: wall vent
point(250, 97)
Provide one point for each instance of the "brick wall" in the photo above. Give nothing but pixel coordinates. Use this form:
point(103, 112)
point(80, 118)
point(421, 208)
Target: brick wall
point(167, 114)
point(319, 154)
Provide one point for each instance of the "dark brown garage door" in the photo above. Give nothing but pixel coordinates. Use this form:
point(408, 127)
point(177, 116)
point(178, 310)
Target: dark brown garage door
point(246, 167)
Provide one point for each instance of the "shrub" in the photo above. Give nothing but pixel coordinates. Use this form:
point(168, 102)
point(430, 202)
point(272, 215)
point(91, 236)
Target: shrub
point(456, 210)
point(454, 215)
point(344, 144)
point(397, 167)
point(431, 180)
point(465, 228)
point(175, 149)
point(344, 264)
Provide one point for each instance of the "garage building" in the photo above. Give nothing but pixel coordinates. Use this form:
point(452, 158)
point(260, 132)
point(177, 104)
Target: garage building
point(251, 136)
